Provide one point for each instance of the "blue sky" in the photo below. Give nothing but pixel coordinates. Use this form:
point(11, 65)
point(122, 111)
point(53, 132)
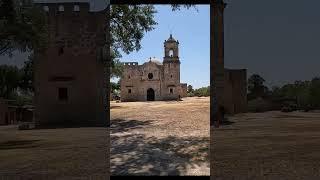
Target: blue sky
point(192, 29)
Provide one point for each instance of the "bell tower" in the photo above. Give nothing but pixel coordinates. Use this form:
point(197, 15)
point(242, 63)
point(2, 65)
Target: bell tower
point(171, 50)
point(171, 65)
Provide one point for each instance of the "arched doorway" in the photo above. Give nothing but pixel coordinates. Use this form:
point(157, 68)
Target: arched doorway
point(150, 94)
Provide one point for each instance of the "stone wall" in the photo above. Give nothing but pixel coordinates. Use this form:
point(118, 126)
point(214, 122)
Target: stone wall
point(235, 90)
point(71, 61)
point(165, 81)
point(183, 89)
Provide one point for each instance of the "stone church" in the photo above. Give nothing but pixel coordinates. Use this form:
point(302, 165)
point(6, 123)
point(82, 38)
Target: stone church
point(154, 80)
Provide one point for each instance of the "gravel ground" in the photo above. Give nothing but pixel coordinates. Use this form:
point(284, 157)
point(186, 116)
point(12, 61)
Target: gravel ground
point(160, 138)
point(271, 145)
point(69, 153)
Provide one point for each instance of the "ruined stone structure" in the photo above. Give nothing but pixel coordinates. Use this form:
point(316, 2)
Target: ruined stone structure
point(235, 91)
point(69, 73)
point(229, 86)
point(217, 56)
point(154, 80)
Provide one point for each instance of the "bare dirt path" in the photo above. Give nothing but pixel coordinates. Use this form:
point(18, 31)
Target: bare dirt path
point(160, 138)
point(271, 145)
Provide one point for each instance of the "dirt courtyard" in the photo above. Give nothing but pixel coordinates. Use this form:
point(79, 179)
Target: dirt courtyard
point(168, 138)
point(160, 138)
point(62, 154)
point(270, 145)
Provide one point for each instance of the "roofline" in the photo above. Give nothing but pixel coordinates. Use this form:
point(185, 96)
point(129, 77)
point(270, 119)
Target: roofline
point(43, 2)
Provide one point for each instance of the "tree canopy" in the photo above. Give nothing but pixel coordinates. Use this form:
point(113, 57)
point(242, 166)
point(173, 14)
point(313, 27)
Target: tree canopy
point(256, 87)
point(203, 91)
point(22, 27)
point(302, 94)
point(9, 80)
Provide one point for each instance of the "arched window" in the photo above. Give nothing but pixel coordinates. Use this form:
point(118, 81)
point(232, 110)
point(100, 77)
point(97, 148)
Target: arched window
point(61, 8)
point(76, 8)
point(171, 52)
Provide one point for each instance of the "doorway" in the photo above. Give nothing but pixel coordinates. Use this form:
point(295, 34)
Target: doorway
point(150, 94)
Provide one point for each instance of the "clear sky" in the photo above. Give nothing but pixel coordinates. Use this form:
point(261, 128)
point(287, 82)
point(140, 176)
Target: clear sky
point(192, 29)
point(280, 40)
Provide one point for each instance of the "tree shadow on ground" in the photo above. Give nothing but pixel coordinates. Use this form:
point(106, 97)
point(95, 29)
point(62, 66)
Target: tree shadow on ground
point(122, 125)
point(19, 144)
point(137, 154)
point(115, 107)
point(226, 122)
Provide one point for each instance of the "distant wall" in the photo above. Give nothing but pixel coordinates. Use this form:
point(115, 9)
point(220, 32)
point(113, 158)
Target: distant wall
point(184, 89)
point(235, 90)
point(3, 111)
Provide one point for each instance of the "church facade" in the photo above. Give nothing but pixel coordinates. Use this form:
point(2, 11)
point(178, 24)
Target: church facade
point(154, 80)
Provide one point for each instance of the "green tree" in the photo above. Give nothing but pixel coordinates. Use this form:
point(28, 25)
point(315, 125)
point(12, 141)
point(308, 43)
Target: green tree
point(128, 23)
point(22, 27)
point(26, 82)
point(9, 80)
point(203, 91)
point(276, 92)
point(315, 92)
point(115, 86)
point(301, 92)
point(256, 87)
point(116, 68)
point(190, 89)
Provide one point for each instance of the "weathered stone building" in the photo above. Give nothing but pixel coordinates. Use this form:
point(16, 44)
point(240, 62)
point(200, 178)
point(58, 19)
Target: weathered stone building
point(70, 84)
point(154, 80)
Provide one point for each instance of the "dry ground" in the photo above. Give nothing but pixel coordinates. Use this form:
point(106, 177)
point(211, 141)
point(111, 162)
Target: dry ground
point(160, 138)
point(271, 145)
point(172, 138)
point(70, 153)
